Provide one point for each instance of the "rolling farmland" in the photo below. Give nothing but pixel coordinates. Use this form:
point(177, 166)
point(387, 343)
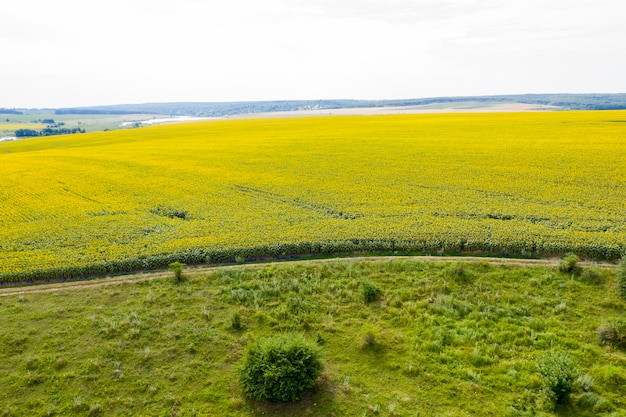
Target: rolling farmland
point(518, 183)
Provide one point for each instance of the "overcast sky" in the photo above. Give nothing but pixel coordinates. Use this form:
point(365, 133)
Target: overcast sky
point(58, 53)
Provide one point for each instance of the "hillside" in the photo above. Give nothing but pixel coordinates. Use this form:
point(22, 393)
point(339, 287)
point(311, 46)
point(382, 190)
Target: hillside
point(218, 109)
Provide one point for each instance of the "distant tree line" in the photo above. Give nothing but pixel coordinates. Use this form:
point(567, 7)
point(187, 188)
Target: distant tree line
point(217, 109)
point(9, 111)
point(48, 131)
point(89, 110)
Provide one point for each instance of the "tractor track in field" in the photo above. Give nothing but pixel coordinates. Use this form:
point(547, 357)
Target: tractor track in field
point(193, 271)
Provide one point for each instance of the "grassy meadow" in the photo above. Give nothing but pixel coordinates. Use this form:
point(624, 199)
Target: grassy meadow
point(9, 123)
point(502, 183)
point(7, 128)
point(459, 339)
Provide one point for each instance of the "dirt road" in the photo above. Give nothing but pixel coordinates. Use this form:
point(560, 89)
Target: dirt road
point(198, 270)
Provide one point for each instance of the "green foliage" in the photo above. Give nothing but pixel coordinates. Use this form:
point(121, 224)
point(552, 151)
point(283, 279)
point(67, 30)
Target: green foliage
point(218, 256)
point(621, 278)
point(280, 368)
point(171, 212)
point(235, 321)
point(440, 346)
point(370, 291)
point(569, 264)
point(611, 376)
point(559, 373)
point(371, 339)
point(585, 382)
point(593, 402)
point(48, 131)
point(592, 274)
point(613, 333)
point(459, 273)
point(177, 269)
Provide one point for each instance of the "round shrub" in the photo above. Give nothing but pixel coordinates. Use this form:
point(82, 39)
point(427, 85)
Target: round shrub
point(177, 269)
point(280, 368)
point(559, 373)
point(569, 264)
point(592, 275)
point(370, 291)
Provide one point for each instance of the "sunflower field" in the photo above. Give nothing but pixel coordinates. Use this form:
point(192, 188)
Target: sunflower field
point(541, 183)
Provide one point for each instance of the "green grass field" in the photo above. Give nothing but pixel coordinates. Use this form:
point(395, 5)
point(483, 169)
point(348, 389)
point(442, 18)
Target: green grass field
point(9, 123)
point(458, 339)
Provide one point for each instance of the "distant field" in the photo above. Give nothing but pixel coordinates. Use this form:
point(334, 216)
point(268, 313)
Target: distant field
point(89, 122)
point(15, 126)
point(9, 128)
point(517, 183)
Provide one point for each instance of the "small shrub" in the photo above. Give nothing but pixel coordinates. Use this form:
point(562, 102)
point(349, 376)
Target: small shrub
point(592, 275)
point(585, 382)
point(171, 212)
point(280, 368)
point(613, 333)
point(606, 334)
point(459, 273)
point(368, 341)
point(95, 410)
point(602, 406)
point(558, 372)
point(611, 376)
point(60, 363)
point(593, 402)
point(561, 307)
point(621, 278)
point(345, 386)
point(569, 264)
point(473, 376)
point(206, 313)
point(235, 321)
point(177, 269)
point(370, 291)
point(371, 337)
point(587, 400)
point(80, 404)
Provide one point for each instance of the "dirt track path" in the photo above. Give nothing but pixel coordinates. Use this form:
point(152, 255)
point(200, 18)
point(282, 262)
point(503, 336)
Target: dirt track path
point(198, 270)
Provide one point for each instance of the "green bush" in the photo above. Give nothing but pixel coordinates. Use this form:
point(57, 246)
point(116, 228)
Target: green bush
point(371, 337)
point(280, 368)
point(171, 212)
point(177, 269)
point(569, 264)
point(613, 333)
point(591, 401)
point(592, 274)
point(621, 278)
point(235, 321)
point(370, 291)
point(559, 374)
